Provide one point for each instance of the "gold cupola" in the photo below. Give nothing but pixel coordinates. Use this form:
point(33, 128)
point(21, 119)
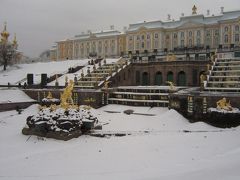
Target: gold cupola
point(194, 10)
point(15, 41)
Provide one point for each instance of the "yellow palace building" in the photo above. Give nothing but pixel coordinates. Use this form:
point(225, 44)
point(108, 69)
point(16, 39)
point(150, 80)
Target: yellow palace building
point(197, 31)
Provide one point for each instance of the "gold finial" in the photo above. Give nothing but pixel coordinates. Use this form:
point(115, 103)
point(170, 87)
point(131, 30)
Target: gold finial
point(15, 40)
point(194, 10)
point(5, 26)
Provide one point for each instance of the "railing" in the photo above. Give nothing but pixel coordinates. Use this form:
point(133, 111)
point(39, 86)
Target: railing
point(185, 52)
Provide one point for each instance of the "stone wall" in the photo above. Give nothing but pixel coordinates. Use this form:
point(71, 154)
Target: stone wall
point(81, 97)
point(192, 70)
point(194, 106)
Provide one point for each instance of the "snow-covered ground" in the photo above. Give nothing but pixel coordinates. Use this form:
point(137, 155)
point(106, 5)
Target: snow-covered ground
point(13, 95)
point(166, 151)
point(18, 72)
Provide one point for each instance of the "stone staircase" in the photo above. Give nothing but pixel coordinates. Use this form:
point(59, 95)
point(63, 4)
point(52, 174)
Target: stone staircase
point(100, 74)
point(153, 96)
point(224, 76)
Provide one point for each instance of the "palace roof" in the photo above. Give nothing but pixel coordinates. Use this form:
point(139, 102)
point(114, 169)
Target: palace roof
point(195, 19)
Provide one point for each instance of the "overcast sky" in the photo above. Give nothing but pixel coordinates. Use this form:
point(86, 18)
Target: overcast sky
point(39, 23)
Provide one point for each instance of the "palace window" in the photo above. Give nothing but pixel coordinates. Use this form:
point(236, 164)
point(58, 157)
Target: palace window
point(190, 33)
point(216, 32)
point(130, 46)
point(113, 49)
point(198, 42)
point(148, 36)
point(175, 35)
point(106, 49)
point(237, 28)
point(190, 42)
point(208, 33)
point(182, 34)
point(137, 46)
point(182, 43)
point(236, 37)
point(156, 44)
point(130, 38)
point(198, 33)
point(156, 35)
point(226, 29)
point(138, 37)
point(82, 51)
point(143, 45)
point(143, 37)
point(148, 45)
point(226, 39)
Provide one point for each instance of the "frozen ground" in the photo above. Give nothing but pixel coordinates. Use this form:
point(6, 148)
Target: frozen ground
point(165, 152)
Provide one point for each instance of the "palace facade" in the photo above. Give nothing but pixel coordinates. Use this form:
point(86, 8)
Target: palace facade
point(196, 31)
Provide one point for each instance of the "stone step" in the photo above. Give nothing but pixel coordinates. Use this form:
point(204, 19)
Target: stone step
point(222, 89)
point(224, 78)
point(225, 73)
point(141, 94)
point(95, 75)
point(87, 82)
point(226, 68)
point(228, 63)
point(226, 60)
point(84, 87)
point(223, 82)
point(137, 100)
point(103, 71)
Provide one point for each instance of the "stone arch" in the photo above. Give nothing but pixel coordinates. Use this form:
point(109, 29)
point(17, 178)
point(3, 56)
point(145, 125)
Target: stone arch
point(158, 78)
point(181, 79)
point(199, 77)
point(145, 79)
point(137, 77)
point(170, 76)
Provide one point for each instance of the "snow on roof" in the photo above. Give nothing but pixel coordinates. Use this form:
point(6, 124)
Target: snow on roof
point(200, 18)
point(97, 34)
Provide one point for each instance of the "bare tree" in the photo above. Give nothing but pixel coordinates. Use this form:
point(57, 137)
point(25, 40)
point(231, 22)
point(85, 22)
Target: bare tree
point(7, 53)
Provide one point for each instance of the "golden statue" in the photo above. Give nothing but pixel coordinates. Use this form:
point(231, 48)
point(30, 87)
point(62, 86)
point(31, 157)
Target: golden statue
point(202, 78)
point(89, 100)
point(172, 87)
point(66, 96)
point(106, 84)
point(194, 10)
point(49, 96)
point(222, 104)
point(171, 57)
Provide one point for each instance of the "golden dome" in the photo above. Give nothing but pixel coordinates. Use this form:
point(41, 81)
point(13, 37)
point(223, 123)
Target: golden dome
point(15, 40)
point(5, 34)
